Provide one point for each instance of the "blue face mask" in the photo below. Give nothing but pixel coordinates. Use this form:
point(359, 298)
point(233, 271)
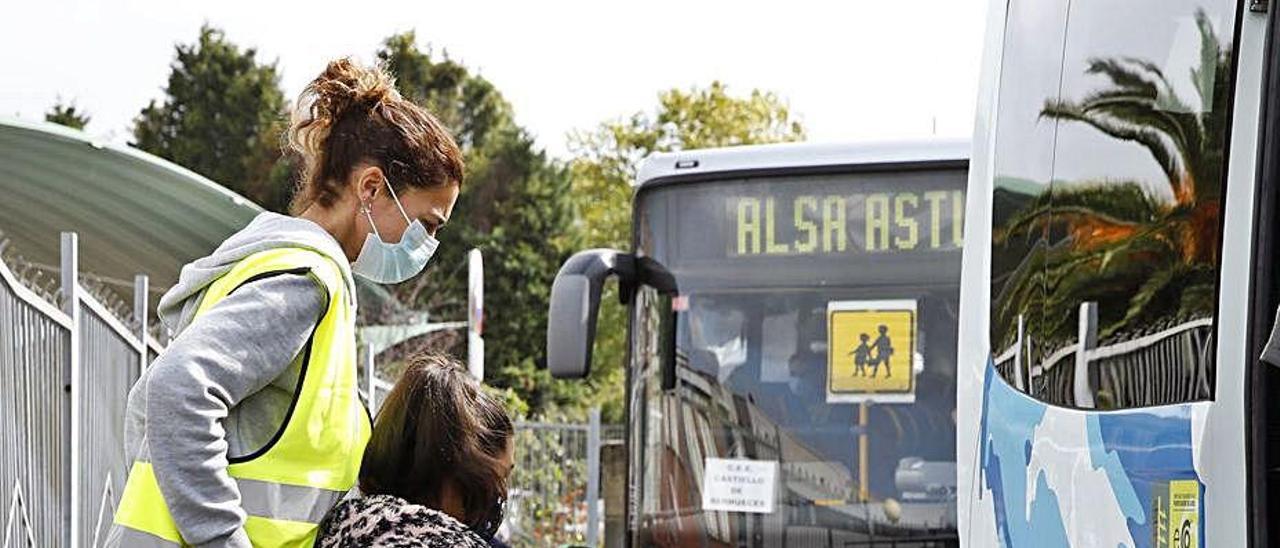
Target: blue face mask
point(385, 263)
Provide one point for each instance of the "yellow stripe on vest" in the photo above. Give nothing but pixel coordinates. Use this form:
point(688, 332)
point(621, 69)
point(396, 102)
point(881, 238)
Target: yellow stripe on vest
point(142, 506)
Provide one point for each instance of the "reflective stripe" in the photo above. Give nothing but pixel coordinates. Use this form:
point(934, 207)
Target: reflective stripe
point(287, 502)
point(128, 537)
point(281, 501)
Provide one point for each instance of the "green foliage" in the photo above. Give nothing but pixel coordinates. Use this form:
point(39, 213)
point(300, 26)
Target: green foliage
point(515, 405)
point(549, 486)
point(67, 114)
point(606, 158)
point(604, 166)
point(222, 115)
point(466, 103)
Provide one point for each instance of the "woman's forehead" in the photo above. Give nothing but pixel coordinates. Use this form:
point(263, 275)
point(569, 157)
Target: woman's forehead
point(436, 201)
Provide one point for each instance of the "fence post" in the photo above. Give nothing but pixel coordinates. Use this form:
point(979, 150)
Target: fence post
point(613, 461)
point(475, 314)
point(1087, 338)
point(141, 284)
point(371, 388)
point(71, 385)
point(1017, 359)
point(593, 478)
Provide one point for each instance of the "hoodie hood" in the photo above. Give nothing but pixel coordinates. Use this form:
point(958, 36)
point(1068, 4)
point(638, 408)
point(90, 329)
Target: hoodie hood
point(266, 231)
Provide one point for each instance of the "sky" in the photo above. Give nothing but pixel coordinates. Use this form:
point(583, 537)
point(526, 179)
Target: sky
point(852, 70)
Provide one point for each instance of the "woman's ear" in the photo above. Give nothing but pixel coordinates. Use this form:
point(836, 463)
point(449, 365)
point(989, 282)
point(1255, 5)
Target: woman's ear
point(368, 181)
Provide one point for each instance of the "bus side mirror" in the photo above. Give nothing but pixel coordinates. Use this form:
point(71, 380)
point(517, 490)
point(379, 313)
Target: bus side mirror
point(575, 304)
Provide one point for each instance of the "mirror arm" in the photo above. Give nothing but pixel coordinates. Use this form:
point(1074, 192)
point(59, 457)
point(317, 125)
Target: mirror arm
point(598, 264)
point(651, 273)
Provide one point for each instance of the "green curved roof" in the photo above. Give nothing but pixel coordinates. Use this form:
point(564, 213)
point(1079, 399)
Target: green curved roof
point(134, 213)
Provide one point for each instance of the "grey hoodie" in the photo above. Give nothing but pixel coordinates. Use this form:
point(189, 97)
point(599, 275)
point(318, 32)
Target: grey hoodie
point(223, 386)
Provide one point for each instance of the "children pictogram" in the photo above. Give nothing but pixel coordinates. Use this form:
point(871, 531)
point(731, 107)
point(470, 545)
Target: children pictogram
point(870, 350)
point(875, 355)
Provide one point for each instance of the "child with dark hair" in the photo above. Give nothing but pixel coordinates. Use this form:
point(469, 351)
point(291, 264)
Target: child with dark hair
point(436, 468)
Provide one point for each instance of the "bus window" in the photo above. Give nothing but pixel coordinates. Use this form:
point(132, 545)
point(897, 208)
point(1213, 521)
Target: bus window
point(1122, 297)
point(1024, 169)
point(717, 333)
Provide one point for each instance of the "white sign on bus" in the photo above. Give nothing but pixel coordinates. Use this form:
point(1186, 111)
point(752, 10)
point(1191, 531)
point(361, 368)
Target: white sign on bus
point(740, 485)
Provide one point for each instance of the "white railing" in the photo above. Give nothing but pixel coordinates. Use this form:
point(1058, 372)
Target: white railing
point(1170, 366)
point(67, 362)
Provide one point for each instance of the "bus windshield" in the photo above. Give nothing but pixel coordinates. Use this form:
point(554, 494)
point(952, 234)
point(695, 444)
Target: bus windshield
point(814, 336)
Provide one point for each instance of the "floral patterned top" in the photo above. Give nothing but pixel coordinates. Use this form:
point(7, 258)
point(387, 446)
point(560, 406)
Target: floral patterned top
point(386, 520)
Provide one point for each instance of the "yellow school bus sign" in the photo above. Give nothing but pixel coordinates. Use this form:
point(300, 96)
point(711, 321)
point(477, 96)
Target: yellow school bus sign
point(871, 349)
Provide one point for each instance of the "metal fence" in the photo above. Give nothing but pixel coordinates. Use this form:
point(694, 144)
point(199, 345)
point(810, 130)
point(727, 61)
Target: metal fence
point(35, 456)
point(1171, 365)
point(111, 361)
point(555, 487)
point(1055, 384)
point(67, 362)
point(372, 388)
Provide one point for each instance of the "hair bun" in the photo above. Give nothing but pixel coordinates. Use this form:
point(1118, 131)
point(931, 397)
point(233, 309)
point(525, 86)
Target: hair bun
point(345, 86)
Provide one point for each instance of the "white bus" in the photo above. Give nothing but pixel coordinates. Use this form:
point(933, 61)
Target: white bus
point(1119, 277)
point(752, 419)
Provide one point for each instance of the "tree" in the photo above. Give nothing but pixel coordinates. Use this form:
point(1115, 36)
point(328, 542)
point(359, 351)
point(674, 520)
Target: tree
point(67, 114)
point(606, 159)
point(605, 163)
point(222, 116)
point(514, 206)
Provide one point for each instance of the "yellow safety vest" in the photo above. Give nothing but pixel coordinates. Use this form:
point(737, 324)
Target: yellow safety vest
point(314, 459)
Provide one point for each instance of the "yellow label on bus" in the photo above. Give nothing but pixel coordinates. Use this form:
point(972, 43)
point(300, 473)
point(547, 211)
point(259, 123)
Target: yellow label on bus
point(1176, 513)
point(871, 348)
point(1184, 513)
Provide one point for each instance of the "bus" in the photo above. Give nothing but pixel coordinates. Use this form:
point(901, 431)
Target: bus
point(791, 372)
point(1119, 279)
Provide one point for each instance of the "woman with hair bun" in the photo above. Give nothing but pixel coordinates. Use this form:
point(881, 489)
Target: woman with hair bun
point(248, 429)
